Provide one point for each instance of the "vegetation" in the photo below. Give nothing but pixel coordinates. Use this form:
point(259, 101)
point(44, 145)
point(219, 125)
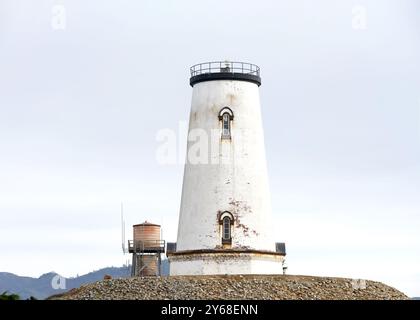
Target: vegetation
point(7, 296)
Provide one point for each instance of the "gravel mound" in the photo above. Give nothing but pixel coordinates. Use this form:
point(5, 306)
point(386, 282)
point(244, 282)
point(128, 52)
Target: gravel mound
point(272, 287)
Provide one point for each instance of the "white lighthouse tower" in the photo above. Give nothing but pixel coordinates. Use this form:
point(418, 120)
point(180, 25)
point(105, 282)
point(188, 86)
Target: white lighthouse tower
point(224, 221)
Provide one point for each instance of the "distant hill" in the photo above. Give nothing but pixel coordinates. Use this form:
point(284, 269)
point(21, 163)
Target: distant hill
point(41, 288)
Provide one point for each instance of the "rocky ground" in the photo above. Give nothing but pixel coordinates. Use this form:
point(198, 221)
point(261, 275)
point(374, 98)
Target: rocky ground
point(233, 287)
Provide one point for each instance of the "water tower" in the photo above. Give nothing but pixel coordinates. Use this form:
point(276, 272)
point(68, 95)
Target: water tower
point(146, 248)
point(225, 216)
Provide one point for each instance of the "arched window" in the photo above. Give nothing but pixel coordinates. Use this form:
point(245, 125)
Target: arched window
point(226, 116)
point(226, 223)
point(226, 126)
point(226, 228)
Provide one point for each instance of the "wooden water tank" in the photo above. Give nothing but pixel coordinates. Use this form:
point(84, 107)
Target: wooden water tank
point(148, 233)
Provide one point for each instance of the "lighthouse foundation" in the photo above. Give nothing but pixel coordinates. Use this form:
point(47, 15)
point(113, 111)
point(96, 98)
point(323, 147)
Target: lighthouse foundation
point(219, 262)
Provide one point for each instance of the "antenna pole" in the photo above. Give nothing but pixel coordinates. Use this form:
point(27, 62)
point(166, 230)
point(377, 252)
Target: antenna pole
point(161, 228)
point(122, 229)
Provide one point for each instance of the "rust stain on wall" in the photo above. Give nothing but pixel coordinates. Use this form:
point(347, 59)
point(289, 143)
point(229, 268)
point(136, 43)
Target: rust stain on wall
point(241, 208)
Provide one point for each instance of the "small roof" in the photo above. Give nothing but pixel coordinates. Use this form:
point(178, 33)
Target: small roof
point(146, 223)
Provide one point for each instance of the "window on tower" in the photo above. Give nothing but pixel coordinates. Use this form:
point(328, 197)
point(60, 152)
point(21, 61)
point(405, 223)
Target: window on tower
point(226, 229)
point(226, 222)
point(226, 126)
point(226, 117)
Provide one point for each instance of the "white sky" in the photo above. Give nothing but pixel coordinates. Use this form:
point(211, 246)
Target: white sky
point(80, 109)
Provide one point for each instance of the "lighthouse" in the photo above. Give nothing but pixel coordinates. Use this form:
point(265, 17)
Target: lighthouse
point(225, 214)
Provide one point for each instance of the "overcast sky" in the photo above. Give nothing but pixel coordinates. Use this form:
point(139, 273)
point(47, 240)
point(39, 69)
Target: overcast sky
point(80, 108)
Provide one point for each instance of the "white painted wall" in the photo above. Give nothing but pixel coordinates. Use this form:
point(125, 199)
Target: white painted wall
point(239, 186)
point(224, 264)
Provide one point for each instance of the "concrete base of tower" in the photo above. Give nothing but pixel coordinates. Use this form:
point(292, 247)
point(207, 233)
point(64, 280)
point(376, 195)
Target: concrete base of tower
point(214, 262)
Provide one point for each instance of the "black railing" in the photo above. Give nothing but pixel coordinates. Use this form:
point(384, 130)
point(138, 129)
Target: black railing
point(225, 67)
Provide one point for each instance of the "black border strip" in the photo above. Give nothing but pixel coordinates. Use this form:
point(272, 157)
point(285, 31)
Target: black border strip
point(225, 76)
